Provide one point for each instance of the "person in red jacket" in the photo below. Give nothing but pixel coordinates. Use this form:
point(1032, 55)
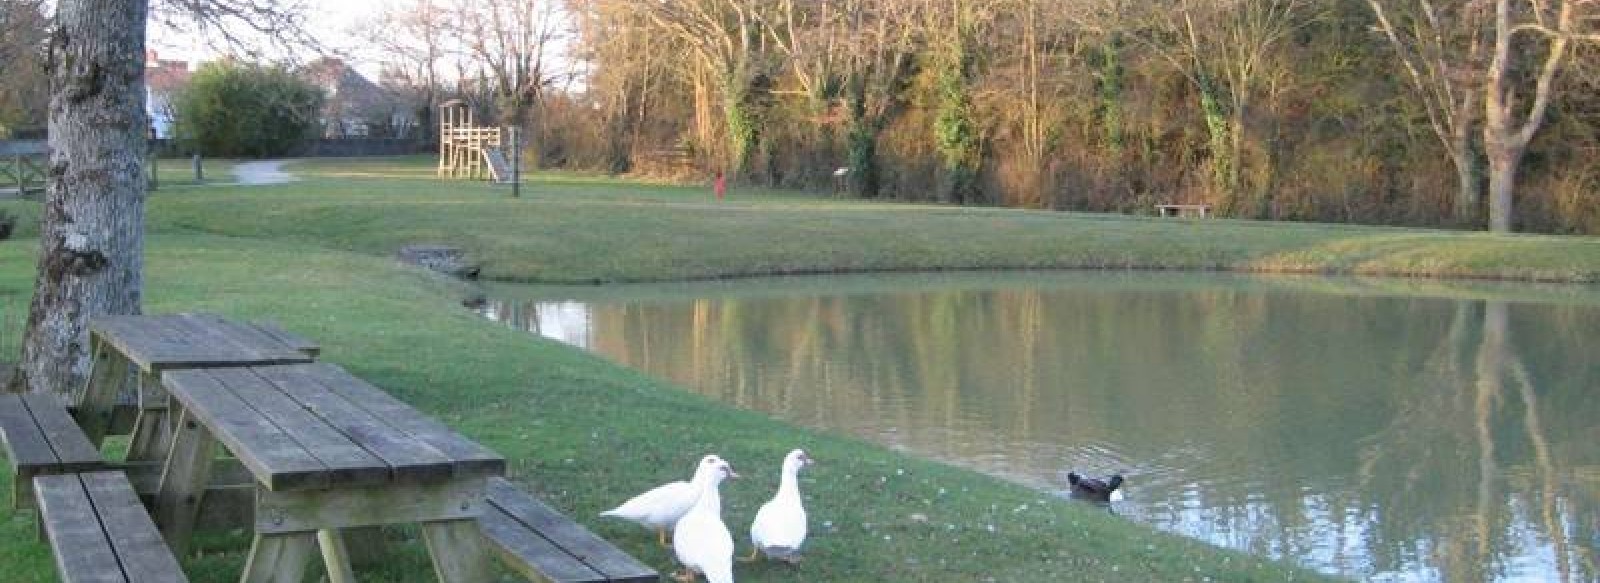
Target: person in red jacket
point(720, 186)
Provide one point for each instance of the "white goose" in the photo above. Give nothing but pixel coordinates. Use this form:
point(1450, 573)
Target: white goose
point(662, 506)
point(780, 525)
point(700, 539)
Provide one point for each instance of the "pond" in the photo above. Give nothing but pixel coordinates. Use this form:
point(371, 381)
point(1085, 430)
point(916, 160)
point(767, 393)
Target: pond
point(1379, 429)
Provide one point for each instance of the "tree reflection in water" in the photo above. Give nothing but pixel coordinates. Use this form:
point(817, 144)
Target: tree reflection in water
point(1375, 436)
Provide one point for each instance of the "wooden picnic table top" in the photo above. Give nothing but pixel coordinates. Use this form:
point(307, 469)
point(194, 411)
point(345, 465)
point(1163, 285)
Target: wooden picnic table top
point(315, 426)
point(158, 343)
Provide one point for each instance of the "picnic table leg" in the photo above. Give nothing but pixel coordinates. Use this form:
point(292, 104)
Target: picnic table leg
point(183, 481)
point(152, 432)
point(335, 556)
point(279, 558)
point(459, 555)
point(107, 373)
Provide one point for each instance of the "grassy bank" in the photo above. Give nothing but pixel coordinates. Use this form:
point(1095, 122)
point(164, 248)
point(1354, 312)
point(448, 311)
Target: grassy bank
point(573, 229)
point(586, 434)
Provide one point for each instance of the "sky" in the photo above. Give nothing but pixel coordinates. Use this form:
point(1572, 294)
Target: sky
point(333, 24)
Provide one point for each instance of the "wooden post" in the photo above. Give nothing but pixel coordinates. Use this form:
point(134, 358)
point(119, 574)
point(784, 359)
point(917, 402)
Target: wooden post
point(278, 558)
point(516, 163)
point(458, 551)
point(150, 158)
point(108, 372)
point(183, 482)
point(335, 556)
point(152, 432)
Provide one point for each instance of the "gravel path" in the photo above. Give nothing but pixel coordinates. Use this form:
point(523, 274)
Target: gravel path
point(262, 172)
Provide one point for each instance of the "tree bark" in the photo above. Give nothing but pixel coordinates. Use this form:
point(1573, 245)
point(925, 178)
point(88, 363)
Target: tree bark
point(1503, 163)
point(92, 235)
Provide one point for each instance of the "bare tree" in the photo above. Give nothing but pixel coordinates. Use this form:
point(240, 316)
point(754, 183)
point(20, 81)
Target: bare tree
point(91, 237)
point(882, 46)
point(1510, 121)
point(627, 74)
point(1442, 52)
point(514, 42)
point(1225, 49)
point(91, 240)
point(727, 41)
point(410, 38)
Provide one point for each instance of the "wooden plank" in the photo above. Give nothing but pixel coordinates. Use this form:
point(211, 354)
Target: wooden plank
point(83, 553)
point(335, 557)
point(168, 342)
point(267, 339)
point(25, 442)
point(242, 338)
point(135, 338)
point(298, 343)
point(530, 554)
point(107, 373)
point(146, 475)
point(458, 551)
point(70, 444)
point(26, 449)
point(347, 461)
point(410, 460)
point(468, 457)
point(276, 459)
point(183, 482)
point(213, 335)
point(279, 558)
point(140, 550)
point(309, 510)
point(572, 537)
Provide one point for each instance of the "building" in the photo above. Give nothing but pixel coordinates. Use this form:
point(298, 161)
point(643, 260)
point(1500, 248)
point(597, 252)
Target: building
point(162, 81)
point(356, 107)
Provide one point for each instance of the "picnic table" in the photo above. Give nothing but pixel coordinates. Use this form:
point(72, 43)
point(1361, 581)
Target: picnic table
point(151, 345)
point(327, 451)
point(316, 450)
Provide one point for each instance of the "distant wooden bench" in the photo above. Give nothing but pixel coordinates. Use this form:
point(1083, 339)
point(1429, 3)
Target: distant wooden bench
point(42, 439)
point(100, 532)
point(544, 545)
point(1184, 210)
point(22, 164)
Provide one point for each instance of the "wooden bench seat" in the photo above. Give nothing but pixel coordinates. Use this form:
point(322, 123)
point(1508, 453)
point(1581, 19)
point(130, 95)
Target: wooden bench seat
point(543, 545)
point(41, 439)
point(100, 532)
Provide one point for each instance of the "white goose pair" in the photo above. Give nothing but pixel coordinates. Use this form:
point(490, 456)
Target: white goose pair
point(694, 511)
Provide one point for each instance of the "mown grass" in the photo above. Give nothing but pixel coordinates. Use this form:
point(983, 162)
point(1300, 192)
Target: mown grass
point(584, 229)
point(586, 434)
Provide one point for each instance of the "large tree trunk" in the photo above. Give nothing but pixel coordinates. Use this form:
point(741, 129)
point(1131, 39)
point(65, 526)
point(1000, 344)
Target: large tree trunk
point(92, 237)
point(1503, 163)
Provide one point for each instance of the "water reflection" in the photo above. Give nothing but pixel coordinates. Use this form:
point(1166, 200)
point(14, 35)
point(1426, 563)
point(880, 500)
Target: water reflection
point(1385, 438)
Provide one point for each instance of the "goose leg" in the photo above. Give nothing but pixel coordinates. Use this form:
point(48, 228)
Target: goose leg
point(661, 537)
point(755, 554)
point(687, 576)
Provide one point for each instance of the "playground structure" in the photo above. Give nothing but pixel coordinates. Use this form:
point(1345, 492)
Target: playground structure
point(467, 150)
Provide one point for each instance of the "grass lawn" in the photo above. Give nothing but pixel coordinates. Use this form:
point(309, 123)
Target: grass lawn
point(585, 434)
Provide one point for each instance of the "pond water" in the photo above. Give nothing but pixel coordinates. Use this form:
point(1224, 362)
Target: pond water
point(1381, 430)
